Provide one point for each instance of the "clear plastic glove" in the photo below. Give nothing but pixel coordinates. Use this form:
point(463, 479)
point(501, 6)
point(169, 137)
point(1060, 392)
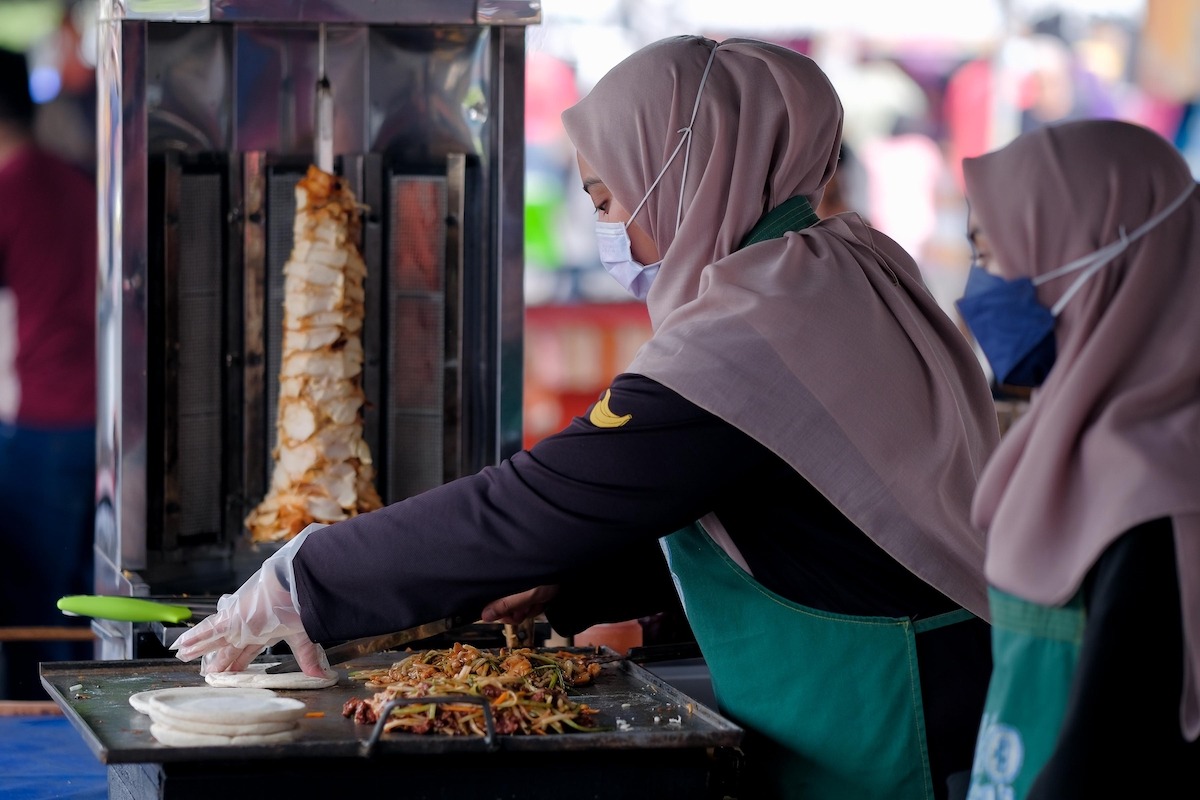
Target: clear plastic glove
point(516, 608)
point(263, 612)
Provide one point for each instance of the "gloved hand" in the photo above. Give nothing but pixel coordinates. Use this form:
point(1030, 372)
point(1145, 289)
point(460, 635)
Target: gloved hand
point(261, 613)
point(516, 608)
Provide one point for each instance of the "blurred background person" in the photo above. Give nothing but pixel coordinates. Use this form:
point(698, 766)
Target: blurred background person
point(65, 86)
point(47, 448)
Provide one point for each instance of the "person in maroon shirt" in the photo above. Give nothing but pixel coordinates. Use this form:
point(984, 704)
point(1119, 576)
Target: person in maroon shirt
point(47, 453)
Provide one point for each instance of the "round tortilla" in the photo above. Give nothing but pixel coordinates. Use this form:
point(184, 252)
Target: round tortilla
point(179, 738)
point(141, 700)
point(256, 677)
point(220, 728)
point(225, 706)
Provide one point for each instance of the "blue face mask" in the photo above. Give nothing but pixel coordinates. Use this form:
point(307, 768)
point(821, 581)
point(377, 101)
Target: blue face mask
point(1014, 330)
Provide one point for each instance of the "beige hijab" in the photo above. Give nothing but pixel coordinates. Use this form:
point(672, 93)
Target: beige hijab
point(824, 345)
point(1112, 439)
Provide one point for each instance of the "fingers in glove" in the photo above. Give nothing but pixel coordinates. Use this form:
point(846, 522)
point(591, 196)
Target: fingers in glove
point(228, 659)
point(310, 656)
point(208, 634)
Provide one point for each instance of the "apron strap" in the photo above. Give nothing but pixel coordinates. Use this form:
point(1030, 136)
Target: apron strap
point(793, 214)
point(942, 620)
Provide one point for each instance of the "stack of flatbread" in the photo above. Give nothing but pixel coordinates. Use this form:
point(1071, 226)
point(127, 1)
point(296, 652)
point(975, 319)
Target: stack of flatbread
point(203, 716)
point(323, 470)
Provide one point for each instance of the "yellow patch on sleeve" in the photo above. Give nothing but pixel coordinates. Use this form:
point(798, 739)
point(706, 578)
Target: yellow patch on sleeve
point(603, 417)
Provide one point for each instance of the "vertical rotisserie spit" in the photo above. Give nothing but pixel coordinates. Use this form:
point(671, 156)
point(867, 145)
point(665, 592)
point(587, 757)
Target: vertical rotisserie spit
point(322, 466)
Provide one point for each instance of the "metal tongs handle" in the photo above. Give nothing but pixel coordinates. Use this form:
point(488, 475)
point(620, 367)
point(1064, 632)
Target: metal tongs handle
point(489, 734)
point(348, 651)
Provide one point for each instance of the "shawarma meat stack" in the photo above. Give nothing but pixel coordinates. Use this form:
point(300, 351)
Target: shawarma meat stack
point(322, 466)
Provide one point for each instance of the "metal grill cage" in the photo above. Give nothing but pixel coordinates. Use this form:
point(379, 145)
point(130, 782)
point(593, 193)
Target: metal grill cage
point(205, 128)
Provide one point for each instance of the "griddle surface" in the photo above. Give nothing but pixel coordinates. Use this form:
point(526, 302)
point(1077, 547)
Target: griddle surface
point(99, 709)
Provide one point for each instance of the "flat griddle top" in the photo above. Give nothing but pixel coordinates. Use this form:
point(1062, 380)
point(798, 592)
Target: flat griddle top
point(641, 710)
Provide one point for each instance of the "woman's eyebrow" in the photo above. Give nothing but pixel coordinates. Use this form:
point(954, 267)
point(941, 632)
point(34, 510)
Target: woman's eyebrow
point(588, 183)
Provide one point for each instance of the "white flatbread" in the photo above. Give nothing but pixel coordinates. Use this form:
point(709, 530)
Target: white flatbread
point(255, 676)
point(222, 728)
point(141, 700)
point(225, 706)
point(178, 738)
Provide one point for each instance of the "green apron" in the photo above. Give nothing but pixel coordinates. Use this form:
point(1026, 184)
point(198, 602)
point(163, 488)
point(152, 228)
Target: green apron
point(1035, 650)
point(831, 702)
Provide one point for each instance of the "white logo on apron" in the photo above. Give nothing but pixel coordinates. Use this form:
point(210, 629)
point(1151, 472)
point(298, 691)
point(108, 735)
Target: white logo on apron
point(998, 756)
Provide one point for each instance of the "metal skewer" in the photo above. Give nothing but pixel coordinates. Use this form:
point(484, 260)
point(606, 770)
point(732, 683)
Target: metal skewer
point(323, 129)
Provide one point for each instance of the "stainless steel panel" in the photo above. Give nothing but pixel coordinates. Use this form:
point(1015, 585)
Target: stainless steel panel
point(121, 306)
point(276, 87)
point(503, 377)
point(412, 102)
point(409, 12)
point(508, 12)
point(188, 75)
point(429, 94)
point(400, 12)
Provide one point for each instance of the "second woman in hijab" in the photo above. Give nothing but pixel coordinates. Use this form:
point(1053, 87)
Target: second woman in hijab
point(801, 436)
point(1087, 286)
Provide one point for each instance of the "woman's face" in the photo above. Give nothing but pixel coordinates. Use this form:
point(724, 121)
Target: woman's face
point(981, 250)
point(609, 210)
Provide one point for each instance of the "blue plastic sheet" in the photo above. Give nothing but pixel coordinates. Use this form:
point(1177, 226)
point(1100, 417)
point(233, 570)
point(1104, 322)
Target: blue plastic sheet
point(43, 757)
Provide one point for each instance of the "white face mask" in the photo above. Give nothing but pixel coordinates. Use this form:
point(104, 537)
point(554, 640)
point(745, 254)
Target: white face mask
point(613, 242)
point(612, 238)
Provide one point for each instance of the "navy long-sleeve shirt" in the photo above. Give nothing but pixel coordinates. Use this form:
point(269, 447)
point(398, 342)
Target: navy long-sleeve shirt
point(584, 508)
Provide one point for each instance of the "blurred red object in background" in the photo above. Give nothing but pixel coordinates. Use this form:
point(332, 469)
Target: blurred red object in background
point(572, 353)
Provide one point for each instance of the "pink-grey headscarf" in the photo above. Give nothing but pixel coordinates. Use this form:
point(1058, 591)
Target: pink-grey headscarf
point(1112, 438)
point(824, 345)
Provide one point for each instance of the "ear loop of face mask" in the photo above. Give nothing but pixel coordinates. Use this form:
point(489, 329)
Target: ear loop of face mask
point(686, 139)
point(1092, 262)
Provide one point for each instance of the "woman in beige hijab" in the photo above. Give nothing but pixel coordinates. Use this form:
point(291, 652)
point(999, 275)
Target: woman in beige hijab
point(803, 432)
point(1089, 233)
